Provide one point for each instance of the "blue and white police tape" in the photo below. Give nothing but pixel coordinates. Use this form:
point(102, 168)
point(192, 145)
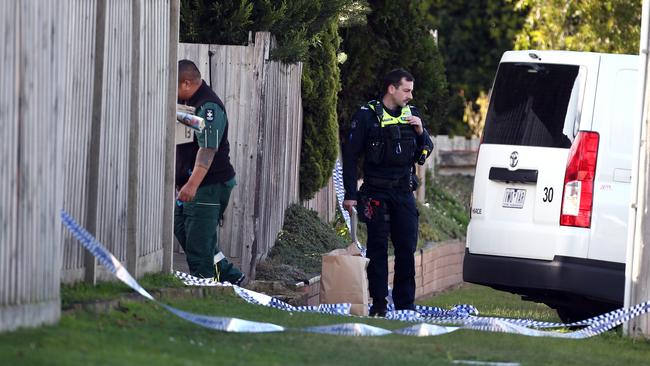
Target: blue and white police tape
point(457, 311)
point(433, 320)
point(337, 177)
point(115, 267)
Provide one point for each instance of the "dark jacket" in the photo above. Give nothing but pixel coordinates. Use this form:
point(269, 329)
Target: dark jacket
point(364, 129)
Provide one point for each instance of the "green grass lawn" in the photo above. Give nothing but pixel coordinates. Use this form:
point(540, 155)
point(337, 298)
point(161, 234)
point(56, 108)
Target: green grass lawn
point(143, 334)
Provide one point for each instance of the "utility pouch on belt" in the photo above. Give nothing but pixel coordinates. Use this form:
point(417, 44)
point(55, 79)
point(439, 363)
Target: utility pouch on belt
point(414, 182)
point(370, 209)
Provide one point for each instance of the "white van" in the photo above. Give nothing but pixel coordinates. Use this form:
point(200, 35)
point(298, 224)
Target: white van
point(552, 185)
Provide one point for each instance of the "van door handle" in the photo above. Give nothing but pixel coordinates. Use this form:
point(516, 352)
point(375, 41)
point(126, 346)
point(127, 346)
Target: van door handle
point(513, 176)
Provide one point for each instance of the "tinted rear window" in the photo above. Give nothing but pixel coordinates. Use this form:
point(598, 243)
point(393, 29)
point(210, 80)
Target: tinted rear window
point(529, 105)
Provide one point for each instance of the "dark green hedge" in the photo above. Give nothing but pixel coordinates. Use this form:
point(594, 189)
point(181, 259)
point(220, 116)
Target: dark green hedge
point(320, 85)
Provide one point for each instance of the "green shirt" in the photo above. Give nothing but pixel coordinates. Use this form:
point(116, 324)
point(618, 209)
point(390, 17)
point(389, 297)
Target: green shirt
point(215, 124)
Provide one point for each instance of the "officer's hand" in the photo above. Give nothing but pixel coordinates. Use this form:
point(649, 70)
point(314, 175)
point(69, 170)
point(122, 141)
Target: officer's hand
point(187, 192)
point(349, 205)
point(416, 122)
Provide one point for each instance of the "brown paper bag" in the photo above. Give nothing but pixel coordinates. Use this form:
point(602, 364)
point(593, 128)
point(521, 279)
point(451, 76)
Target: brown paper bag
point(343, 279)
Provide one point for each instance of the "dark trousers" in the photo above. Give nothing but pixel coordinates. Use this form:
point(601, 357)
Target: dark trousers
point(196, 227)
point(390, 212)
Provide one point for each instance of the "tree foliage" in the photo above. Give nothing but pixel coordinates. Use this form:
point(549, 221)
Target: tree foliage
point(296, 24)
point(320, 85)
point(611, 26)
point(395, 35)
point(216, 22)
point(473, 34)
point(305, 31)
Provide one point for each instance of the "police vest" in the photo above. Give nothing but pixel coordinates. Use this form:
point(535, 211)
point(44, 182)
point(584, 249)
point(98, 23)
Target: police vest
point(393, 141)
point(221, 169)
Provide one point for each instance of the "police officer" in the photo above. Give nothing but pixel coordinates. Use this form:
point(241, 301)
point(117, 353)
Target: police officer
point(204, 180)
point(389, 134)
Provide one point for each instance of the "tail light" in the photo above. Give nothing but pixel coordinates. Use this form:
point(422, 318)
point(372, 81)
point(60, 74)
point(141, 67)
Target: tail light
point(578, 195)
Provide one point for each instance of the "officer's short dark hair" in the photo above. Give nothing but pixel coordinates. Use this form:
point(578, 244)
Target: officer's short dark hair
point(187, 70)
point(394, 78)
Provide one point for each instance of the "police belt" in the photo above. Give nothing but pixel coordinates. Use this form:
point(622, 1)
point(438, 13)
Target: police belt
point(403, 184)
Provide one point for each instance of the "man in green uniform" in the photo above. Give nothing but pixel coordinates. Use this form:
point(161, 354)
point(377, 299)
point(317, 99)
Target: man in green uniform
point(204, 180)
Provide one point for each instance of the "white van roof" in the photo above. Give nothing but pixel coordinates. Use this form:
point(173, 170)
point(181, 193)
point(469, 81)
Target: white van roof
point(554, 56)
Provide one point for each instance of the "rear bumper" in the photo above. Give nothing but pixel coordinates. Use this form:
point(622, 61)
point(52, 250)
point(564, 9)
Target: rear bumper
point(597, 280)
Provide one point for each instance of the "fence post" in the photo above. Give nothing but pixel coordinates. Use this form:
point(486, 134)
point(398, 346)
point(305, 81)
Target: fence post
point(261, 84)
point(421, 172)
point(637, 275)
point(92, 179)
point(170, 146)
point(132, 242)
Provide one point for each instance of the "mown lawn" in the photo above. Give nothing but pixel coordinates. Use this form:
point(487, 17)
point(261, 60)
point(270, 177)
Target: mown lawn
point(144, 334)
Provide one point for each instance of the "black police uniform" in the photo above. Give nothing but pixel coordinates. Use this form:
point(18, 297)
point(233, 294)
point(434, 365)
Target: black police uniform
point(385, 201)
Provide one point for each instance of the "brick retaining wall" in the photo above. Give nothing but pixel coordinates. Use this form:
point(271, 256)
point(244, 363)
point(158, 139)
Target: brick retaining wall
point(437, 268)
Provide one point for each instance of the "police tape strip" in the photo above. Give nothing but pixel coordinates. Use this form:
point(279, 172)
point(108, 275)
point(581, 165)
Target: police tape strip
point(432, 320)
point(457, 311)
point(337, 177)
point(463, 315)
point(594, 324)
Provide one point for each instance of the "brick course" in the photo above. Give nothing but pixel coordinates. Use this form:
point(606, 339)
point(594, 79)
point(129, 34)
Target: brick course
point(437, 268)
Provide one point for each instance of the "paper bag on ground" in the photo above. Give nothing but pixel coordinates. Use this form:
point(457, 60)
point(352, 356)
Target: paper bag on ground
point(344, 280)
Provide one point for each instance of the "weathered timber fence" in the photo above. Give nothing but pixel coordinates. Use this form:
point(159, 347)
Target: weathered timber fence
point(324, 202)
point(263, 103)
point(30, 188)
point(115, 175)
point(455, 155)
point(87, 105)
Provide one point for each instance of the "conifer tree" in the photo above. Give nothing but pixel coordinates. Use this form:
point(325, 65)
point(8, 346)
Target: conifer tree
point(306, 31)
point(320, 85)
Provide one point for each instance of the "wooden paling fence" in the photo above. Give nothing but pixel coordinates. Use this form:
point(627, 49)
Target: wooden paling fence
point(263, 103)
point(455, 155)
point(87, 100)
point(87, 103)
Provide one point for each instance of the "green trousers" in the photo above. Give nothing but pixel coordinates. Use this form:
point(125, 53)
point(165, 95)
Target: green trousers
point(196, 227)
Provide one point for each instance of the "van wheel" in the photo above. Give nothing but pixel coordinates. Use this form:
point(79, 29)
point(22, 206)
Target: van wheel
point(571, 315)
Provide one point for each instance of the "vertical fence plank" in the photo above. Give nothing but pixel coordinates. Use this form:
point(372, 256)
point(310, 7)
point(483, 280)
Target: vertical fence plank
point(93, 156)
point(70, 71)
point(169, 123)
point(116, 118)
point(76, 126)
point(9, 54)
point(134, 148)
point(31, 249)
point(152, 115)
point(263, 104)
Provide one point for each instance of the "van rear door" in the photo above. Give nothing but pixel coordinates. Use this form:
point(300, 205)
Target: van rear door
point(538, 103)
